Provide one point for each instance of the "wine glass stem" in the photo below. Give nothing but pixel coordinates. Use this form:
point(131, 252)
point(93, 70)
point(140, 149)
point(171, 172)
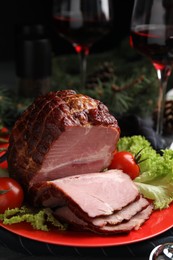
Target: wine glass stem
point(163, 76)
point(83, 52)
point(83, 67)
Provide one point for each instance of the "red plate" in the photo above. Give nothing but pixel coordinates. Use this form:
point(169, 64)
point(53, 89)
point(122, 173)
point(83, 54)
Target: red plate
point(159, 222)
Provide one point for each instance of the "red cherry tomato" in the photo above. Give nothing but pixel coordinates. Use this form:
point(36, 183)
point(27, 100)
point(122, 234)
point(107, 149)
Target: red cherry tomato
point(125, 161)
point(11, 194)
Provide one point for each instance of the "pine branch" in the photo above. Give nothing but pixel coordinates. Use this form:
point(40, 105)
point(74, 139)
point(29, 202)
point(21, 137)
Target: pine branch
point(128, 86)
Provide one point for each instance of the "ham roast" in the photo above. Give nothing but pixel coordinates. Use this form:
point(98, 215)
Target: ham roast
point(59, 150)
point(61, 134)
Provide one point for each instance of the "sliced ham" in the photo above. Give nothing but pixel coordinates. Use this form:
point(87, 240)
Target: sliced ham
point(115, 218)
point(98, 202)
point(124, 214)
point(92, 195)
point(135, 222)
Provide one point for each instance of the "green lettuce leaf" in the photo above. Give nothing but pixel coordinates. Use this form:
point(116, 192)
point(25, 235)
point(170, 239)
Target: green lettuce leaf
point(156, 171)
point(159, 194)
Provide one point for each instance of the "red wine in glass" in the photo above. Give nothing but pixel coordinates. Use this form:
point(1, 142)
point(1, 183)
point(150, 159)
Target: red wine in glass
point(156, 42)
point(82, 22)
point(152, 35)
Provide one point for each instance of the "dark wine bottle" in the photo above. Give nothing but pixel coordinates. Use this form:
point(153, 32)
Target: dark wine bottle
point(33, 60)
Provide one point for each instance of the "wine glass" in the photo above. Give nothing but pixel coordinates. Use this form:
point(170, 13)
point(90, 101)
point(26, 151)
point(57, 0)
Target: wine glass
point(152, 35)
point(82, 22)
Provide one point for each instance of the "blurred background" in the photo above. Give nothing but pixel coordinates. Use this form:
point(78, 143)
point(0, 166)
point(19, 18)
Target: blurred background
point(117, 75)
point(18, 13)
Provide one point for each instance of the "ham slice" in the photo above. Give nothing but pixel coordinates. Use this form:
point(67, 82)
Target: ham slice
point(92, 195)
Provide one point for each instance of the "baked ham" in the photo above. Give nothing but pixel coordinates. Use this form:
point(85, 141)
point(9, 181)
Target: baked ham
point(61, 134)
point(106, 202)
point(58, 151)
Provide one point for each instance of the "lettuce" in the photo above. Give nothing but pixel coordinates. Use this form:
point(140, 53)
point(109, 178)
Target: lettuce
point(155, 181)
point(39, 219)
